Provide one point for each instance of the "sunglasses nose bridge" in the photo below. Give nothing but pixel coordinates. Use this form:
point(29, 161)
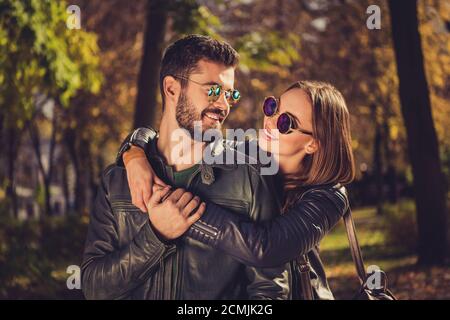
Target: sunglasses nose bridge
point(271, 122)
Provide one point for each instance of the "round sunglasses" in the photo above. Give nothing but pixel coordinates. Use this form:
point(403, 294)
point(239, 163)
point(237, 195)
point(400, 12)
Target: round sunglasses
point(285, 123)
point(232, 96)
point(214, 93)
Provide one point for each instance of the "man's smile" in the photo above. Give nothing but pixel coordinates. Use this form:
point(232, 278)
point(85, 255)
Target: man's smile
point(216, 115)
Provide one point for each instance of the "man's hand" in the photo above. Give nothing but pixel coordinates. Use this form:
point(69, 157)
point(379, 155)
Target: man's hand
point(142, 180)
point(172, 217)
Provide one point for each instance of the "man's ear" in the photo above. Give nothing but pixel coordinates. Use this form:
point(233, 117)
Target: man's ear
point(172, 89)
point(312, 146)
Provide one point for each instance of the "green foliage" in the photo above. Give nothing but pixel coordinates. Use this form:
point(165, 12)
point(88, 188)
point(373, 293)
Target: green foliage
point(268, 51)
point(40, 55)
point(191, 17)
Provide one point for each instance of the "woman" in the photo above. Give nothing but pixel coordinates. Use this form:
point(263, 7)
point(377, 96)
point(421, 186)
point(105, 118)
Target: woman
point(310, 122)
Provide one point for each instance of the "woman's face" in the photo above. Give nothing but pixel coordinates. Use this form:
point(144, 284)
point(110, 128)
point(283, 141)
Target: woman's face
point(294, 145)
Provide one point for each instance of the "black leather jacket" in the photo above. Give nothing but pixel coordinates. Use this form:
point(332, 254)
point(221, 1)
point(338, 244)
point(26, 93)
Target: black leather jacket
point(269, 243)
point(283, 239)
point(124, 258)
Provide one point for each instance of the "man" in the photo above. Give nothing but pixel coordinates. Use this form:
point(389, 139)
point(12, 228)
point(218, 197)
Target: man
point(126, 255)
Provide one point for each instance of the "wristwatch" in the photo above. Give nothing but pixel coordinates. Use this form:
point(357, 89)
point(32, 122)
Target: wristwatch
point(139, 138)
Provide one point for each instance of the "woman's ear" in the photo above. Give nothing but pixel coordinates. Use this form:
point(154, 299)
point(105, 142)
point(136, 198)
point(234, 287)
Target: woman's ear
point(172, 89)
point(311, 146)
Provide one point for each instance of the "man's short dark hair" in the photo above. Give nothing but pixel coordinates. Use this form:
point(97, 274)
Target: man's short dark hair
point(181, 57)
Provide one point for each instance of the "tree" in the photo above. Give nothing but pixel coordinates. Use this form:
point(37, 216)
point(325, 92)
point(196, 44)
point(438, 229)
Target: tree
point(146, 102)
point(430, 193)
point(39, 56)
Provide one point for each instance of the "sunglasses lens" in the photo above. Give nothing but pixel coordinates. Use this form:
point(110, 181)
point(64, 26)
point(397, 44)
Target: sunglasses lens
point(236, 95)
point(283, 123)
point(269, 106)
point(214, 93)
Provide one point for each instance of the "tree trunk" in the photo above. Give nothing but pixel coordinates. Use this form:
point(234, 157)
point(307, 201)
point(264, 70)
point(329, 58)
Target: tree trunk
point(378, 162)
point(46, 176)
point(430, 193)
point(71, 141)
point(146, 103)
point(2, 155)
point(390, 176)
point(65, 181)
point(13, 145)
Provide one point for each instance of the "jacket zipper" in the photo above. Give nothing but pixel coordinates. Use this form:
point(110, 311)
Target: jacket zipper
point(202, 228)
point(180, 253)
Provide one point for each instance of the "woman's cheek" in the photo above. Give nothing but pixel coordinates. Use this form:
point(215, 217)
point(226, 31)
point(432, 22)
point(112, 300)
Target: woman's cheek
point(285, 146)
point(289, 144)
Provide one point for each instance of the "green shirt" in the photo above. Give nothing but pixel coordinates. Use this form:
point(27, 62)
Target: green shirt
point(181, 178)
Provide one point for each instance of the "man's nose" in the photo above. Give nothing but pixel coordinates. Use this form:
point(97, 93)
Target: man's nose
point(222, 104)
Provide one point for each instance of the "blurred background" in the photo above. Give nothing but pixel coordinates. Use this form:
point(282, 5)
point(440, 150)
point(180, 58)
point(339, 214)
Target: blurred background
point(69, 95)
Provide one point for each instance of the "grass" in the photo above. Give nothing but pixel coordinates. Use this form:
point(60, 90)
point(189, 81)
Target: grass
point(405, 279)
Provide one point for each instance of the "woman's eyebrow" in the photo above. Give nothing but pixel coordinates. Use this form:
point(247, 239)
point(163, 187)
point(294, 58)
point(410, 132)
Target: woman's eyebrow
point(295, 117)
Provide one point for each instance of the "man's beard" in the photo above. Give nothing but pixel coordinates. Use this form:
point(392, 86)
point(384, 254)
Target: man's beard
point(186, 114)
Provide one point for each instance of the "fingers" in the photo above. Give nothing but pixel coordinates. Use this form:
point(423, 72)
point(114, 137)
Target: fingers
point(184, 199)
point(157, 187)
point(191, 206)
point(176, 195)
point(156, 197)
point(197, 214)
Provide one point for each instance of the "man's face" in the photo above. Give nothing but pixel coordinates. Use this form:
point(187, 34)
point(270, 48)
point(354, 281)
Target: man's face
point(193, 103)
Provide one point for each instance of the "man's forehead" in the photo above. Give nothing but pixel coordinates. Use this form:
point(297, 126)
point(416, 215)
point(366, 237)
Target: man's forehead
point(212, 72)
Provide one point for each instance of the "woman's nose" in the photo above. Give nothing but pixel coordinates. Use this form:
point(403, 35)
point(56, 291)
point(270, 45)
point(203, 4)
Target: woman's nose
point(270, 122)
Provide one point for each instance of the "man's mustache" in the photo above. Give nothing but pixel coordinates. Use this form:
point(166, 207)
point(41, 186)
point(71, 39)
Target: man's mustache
point(222, 113)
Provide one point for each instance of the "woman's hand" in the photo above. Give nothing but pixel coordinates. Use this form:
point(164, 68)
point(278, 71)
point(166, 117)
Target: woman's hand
point(172, 217)
point(142, 180)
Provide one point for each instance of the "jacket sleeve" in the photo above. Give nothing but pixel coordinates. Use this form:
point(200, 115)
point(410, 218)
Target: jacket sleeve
point(141, 137)
point(282, 239)
point(266, 283)
point(109, 271)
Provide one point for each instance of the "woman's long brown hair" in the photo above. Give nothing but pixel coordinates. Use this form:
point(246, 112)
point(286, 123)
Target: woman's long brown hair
point(333, 161)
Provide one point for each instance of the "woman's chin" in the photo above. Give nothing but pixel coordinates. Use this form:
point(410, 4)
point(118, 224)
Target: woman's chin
point(263, 143)
point(269, 146)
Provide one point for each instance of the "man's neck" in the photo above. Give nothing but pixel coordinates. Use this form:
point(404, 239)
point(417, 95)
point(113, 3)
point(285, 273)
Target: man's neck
point(178, 152)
